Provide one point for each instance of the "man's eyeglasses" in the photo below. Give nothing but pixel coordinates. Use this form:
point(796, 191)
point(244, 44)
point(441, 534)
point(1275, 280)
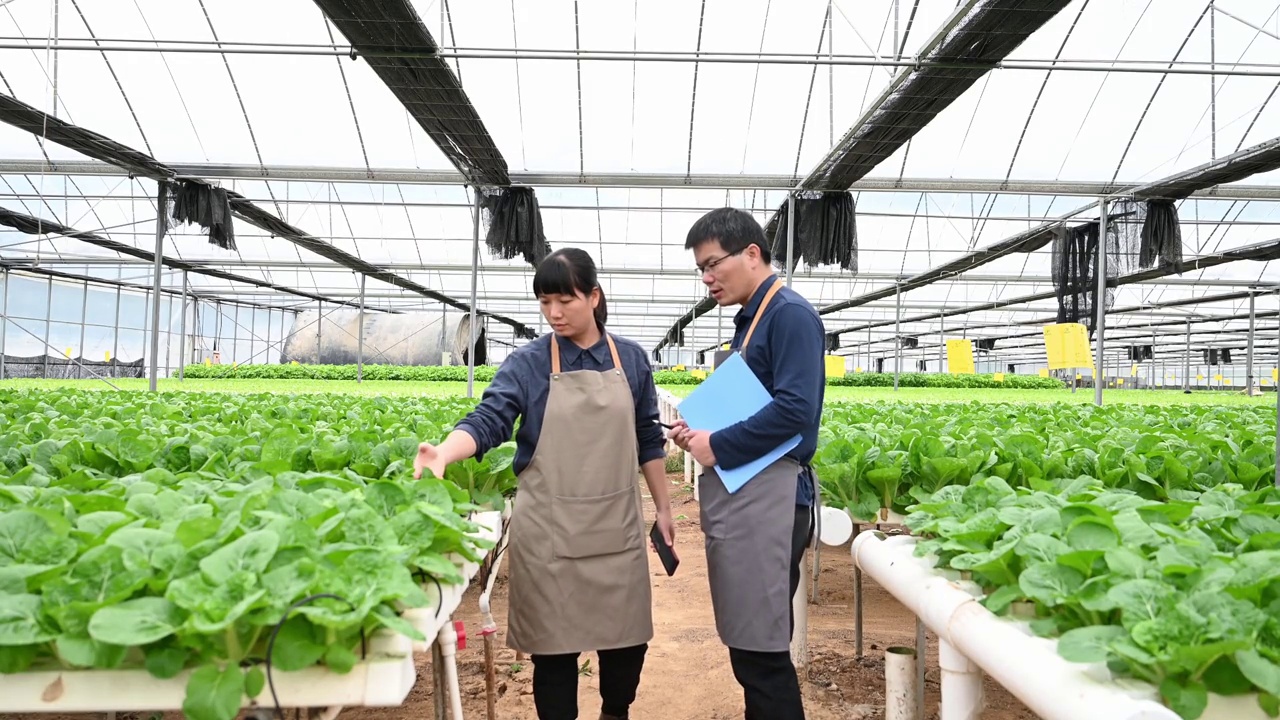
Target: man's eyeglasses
point(709, 267)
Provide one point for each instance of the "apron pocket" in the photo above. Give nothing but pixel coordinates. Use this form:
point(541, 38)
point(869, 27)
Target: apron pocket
point(583, 527)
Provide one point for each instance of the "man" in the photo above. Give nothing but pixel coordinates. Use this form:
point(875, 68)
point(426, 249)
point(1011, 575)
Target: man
point(756, 536)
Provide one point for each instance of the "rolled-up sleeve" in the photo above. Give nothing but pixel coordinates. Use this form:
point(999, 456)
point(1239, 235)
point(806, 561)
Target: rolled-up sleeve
point(797, 342)
point(494, 418)
point(651, 445)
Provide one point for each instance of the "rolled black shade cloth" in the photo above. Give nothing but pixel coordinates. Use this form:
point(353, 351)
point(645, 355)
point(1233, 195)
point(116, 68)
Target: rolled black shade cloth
point(1161, 236)
point(1074, 270)
point(202, 204)
point(1138, 353)
point(987, 344)
point(514, 224)
point(826, 231)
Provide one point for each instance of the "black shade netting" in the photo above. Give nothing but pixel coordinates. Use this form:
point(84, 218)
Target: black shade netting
point(1012, 369)
point(204, 205)
point(1139, 353)
point(908, 343)
point(1161, 239)
point(60, 367)
point(879, 365)
point(921, 365)
point(833, 342)
point(985, 344)
point(1217, 356)
point(1075, 271)
point(514, 224)
point(826, 231)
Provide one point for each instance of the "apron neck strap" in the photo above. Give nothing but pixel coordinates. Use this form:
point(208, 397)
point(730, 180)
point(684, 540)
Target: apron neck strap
point(555, 353)
point(777, 285)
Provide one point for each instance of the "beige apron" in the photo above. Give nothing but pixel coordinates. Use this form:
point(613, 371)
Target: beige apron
point(579, 573)
point(748, 542)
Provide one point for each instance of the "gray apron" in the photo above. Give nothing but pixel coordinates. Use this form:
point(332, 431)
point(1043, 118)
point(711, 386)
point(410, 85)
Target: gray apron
point(579, 564)
point(748, 541)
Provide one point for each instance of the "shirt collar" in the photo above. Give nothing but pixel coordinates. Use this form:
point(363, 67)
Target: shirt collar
point(571, 354)
point(749, 310)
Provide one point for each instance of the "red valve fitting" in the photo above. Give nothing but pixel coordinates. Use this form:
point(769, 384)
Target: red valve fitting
point(461, 631)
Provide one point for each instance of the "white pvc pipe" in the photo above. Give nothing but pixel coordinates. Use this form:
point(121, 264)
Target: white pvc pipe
point(448, 639)
point(1029, 667)
point(900, 684)
point(962, 696)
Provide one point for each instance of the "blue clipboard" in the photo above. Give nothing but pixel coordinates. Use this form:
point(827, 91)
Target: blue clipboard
point(730, 395)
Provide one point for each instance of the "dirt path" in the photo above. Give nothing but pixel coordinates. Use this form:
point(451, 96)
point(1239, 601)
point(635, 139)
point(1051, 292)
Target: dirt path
point(687, 674)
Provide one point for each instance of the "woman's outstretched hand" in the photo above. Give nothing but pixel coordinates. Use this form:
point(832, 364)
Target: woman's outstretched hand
point(428, 457)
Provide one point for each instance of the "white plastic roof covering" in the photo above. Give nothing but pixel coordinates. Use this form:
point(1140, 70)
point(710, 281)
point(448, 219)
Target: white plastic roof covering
point(286, 108)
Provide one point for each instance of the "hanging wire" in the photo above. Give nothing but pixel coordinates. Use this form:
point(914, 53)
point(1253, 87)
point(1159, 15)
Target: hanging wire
point(693, 95)
point(755, 84)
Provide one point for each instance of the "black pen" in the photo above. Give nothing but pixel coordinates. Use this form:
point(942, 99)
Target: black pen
point(669, 427)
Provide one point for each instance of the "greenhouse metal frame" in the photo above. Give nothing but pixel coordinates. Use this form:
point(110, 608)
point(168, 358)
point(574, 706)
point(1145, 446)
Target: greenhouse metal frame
point(943, 119)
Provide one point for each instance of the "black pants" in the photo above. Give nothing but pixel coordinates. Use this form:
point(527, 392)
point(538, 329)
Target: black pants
point(768, 679)
point(555, 682)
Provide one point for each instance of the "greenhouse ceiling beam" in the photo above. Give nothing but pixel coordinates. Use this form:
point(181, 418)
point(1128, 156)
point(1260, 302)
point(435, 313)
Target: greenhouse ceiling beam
point(648, 273)
point(1260, 158)
point(35, 226)
point(981, 33)
point(423, 82)
point(1263, 251)
point(409, 176)
point(1146, 329)
point(1116, 65)
point(25, 267)
point(984, 32)
point(1144, 309)
point(24, 117)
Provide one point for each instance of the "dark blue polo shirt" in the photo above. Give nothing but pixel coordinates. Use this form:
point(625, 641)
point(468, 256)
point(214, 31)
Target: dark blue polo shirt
point(520, 387)
point(786, 354)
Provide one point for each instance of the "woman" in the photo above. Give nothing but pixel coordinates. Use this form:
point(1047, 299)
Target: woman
point(579, 573)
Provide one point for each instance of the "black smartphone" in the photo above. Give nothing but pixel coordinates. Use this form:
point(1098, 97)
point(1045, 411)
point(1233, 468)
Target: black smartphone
point(668, 558)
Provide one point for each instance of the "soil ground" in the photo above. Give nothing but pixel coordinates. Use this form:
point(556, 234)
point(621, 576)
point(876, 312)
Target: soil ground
point(687, 674)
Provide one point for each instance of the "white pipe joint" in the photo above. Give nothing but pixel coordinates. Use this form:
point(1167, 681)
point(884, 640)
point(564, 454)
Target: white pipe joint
point(900, 684)
point(962, 694)
point(1029, 667)
point(448, 639)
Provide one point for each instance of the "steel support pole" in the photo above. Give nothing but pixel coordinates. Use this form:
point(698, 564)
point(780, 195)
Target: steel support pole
point(182, 332)
point(475, 270)
point(1248, 374)
point(4, 320)
point(115, 337)
point(48, 324)
point(942, 341)
point(1186, 363)
point(1100, 302)
point(162, 210)
point(360, 335)
point(84, 314)
point(791, 234)
point(897, 339)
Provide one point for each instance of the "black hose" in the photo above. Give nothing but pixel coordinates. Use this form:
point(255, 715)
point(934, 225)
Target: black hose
point(271, 642)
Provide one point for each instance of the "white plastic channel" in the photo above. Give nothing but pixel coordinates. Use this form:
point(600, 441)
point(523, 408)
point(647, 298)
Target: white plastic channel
point(669, 412)
point(1029, 667)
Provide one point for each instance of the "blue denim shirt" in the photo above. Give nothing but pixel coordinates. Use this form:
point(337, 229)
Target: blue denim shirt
point(786, 354)
point(520, 387)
